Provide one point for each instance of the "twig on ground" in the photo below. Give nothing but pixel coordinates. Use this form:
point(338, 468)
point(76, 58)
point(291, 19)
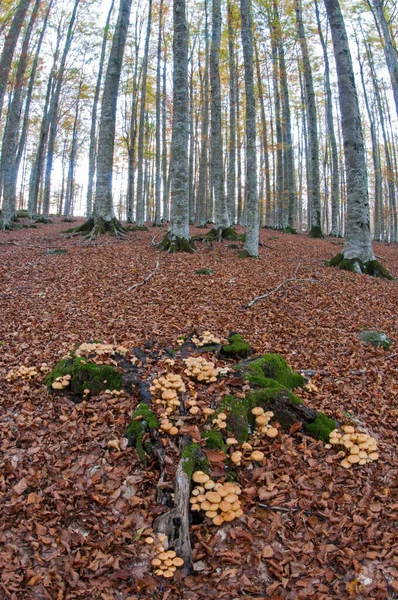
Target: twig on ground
point(278, 287)
point(232, 279)
point(392, 356)
point(153, 241)
point(308, 513)
point(23, 245)
point(147, 278)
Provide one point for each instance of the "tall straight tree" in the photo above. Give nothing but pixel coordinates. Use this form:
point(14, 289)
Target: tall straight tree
point(357, 254)
point(178, 237)
point(103, 219)
point(313, 163)
point(222, 221)
point(9, 45)
point(251, 243)
point(92, 153)
point(390, 51)
point(158, 179)
point(141, 129)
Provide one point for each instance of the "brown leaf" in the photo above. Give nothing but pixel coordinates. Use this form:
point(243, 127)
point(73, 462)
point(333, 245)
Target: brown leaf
point(267, 552)
point(21, 486)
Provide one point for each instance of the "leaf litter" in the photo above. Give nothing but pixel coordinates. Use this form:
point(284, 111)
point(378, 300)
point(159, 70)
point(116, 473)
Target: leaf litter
point(74, 510)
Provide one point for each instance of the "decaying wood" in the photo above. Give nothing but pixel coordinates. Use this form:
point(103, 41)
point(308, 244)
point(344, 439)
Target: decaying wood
point(147, 278)
point(175, 522)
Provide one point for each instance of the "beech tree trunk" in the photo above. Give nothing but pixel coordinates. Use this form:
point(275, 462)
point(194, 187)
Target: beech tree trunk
point(103, 208)
point(313, 163)
point(201, 196)
point(140, 216)
point(357, 252)
point(158, 180)
point(8, 165)
point(217, 163)
point(231, 173)
point(10, 43)
point(178, 237)
point(93, 129)
point(251, 244)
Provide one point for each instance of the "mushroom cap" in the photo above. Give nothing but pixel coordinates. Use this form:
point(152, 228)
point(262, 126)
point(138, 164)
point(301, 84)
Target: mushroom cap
point(218, 520)
point(57, 385)
point(257, 410)
point(232, 442)
point(353, 458)
point(231, 498)
point(149, 540)
point(201, 498)
point(272, 432)
point(200, 477)
point(168, 574)
point(211, 514)
point(178, 561)
point(348, 429)
point(163, 556)
point(373, 456)
point(228, 516)
point(156, 562)
point(238, 513)
point(262, 420)
point(166, 425)
point(171, 553)
point(257, 455)
point(225, 506)
point(344, 463)
point(209, 485)
point(213, 497)
point(222, 416)
point(173, 431)
point(205, 505)
point(195, 507)
point(354, 449)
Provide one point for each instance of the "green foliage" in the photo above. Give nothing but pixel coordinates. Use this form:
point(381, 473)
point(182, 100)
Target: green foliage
point(321, 427)
point(214, 440)
point(193, 460)
point(236, 347)
point(85, 375)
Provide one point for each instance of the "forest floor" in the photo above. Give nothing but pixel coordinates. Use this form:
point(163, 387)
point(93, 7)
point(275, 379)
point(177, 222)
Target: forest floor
point(68, 529)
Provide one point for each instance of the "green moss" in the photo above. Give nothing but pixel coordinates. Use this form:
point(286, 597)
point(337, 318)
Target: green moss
point(376, 338)
point(142, 420)
point(193, 460)
point(139, 227)
point(321, 427)
point(355, 265)
point(265, 397)
point(237, 411)
point(56, 251)
point(204, 271)
point(172, 243)
point(214, 440)
point(290, 230)
point(85, 375)
point(271, 368)
point(246, 254)
point(236, 347)
point(316, 232)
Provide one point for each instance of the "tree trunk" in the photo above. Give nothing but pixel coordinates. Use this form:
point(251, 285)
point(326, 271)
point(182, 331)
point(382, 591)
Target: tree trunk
point(251, 243)
point(332, 137)
point(201, 196)
point(178, 237)
point(93, 129)
point(158, 180)
point(217, 169)
point(164, 144)
point(10, 43)
point(8, 165)
point(315, 196)
point(104, 219)
point(231, 174)
point(53, 112)
point(141, 128)
point(264, 136)
point(357, 254)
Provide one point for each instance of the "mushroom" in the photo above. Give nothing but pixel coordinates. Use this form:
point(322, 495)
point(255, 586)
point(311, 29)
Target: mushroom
point(213, 497)
point(272, 432)
point(231, 441)
point(257, 456)
point(200, 477)
point(257, 410)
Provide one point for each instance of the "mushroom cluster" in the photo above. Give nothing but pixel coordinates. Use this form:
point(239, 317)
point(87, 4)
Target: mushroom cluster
point(167, 427)
point(22, 373)
point(204, 339)
point(97, 348)
point(166, 561)
point(220, 421)
point(219, 501)
point(246, 453)
point(262, 422)
point(192, 406)
point(201, 369)
point(361, 448)
point(61, 382)
point(166, 391)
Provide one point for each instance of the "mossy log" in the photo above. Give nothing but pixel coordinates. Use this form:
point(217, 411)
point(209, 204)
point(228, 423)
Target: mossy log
point(355, 265)
point(84, 375)
point(173, 243)
point(143, 421)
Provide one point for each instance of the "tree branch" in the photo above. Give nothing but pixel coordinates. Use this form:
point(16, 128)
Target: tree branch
point(278, 287)
point(147, 278)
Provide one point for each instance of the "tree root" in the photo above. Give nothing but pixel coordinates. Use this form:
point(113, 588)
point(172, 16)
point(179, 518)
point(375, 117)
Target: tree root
point(371, 267)
point(218, 235)
point(172, 243)
point(93, 228)
point(316, 232)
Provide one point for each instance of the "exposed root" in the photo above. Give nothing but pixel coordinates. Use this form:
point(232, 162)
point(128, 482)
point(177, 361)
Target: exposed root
point(93, 228)
point(371, 267)
point(137, 228)
point(172, 243)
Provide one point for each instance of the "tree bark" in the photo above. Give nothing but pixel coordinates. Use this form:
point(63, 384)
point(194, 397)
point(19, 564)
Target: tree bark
point(357, 253)
point(158, 180)
point(93, 129)
point(251, 243)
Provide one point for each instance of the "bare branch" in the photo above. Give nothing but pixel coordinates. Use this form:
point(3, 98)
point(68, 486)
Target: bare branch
point(147, 278)
point(278, 287)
